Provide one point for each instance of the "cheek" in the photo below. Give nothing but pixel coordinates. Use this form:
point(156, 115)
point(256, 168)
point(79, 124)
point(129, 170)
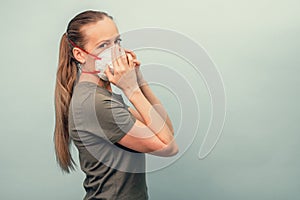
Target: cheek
point(90, 63)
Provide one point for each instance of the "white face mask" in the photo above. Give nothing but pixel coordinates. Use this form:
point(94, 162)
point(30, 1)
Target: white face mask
point(106, 59)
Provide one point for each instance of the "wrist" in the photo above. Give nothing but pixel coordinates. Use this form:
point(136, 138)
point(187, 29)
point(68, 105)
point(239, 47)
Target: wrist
point(142, 82)
point(132, 91)
point(140, 79)
point(133, 94)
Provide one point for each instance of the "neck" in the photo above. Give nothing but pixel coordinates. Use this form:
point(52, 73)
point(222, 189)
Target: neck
point(95, 79)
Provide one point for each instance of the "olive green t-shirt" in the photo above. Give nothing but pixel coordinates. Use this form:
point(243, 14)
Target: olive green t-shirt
point(98, 119)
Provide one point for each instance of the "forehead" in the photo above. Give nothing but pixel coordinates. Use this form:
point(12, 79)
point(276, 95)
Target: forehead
point(104, 29)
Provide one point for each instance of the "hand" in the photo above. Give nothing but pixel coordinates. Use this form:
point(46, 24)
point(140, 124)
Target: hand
point(135, 61)
point(140, 79)
point(124, 75)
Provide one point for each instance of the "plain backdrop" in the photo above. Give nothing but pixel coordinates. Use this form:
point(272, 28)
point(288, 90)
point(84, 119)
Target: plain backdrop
point(255, 45)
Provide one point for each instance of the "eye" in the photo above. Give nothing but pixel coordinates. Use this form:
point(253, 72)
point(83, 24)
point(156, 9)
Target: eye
point(103, 45)
point(118, 41)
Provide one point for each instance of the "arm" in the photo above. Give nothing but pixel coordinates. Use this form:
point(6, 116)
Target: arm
point(136, 114)
point(158, 105)
point(151, 134)
point(164, 149)
point(151, 117)
point(155, 102)
point(148, 94)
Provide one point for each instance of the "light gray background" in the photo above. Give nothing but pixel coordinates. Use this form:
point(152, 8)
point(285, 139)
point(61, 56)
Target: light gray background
point(255, 45)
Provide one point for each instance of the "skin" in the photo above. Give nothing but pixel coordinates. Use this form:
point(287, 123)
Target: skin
point(153, 131)
point(96, 35)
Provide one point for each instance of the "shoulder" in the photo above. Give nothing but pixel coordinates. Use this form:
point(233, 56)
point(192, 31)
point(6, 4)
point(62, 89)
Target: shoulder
point(88, 95)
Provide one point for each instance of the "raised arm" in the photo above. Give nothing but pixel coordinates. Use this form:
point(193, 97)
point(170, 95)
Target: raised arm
point(155, 102)
point(152, 135)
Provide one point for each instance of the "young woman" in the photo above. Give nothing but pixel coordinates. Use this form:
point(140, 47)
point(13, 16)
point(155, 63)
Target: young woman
point(111, 137)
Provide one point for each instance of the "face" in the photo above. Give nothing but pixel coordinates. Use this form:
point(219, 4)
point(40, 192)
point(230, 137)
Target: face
point(99, 36)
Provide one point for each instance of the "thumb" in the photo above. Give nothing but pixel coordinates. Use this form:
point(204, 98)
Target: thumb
point(109, 75)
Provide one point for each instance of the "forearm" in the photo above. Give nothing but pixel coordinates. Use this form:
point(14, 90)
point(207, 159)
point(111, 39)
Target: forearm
point(154, 101)
point(151, 117)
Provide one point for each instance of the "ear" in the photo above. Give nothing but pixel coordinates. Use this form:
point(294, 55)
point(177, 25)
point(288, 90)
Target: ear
point(79, 55)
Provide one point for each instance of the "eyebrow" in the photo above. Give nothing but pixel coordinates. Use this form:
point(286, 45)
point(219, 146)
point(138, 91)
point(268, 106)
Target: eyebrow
point(118, 36)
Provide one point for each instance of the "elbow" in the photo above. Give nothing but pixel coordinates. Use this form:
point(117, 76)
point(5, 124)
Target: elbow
point(173, 150)
point(168, 150)
point(176, 151)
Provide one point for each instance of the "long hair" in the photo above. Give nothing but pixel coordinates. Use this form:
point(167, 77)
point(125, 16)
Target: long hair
point(66, 77)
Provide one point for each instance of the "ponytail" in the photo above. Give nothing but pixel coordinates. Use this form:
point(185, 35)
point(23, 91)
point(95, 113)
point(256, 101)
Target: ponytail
point(65, 79)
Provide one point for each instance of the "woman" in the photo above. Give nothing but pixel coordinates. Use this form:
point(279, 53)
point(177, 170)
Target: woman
point(111, 137)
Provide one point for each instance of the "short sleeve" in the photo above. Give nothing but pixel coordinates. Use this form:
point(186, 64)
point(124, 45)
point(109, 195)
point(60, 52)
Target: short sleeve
point(114, 118)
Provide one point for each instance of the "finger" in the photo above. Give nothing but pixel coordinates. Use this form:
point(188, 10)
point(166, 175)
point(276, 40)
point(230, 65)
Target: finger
point(124, 60)
point(131, 52)
point(109, 74)
point(130, 60)
point(123, 57)
point(136, 62)
point(115, 62)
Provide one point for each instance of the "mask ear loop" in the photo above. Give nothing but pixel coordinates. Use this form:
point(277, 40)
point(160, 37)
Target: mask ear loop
point(96, 57)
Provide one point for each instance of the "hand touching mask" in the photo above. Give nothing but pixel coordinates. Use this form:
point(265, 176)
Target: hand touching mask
point(107, 59)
